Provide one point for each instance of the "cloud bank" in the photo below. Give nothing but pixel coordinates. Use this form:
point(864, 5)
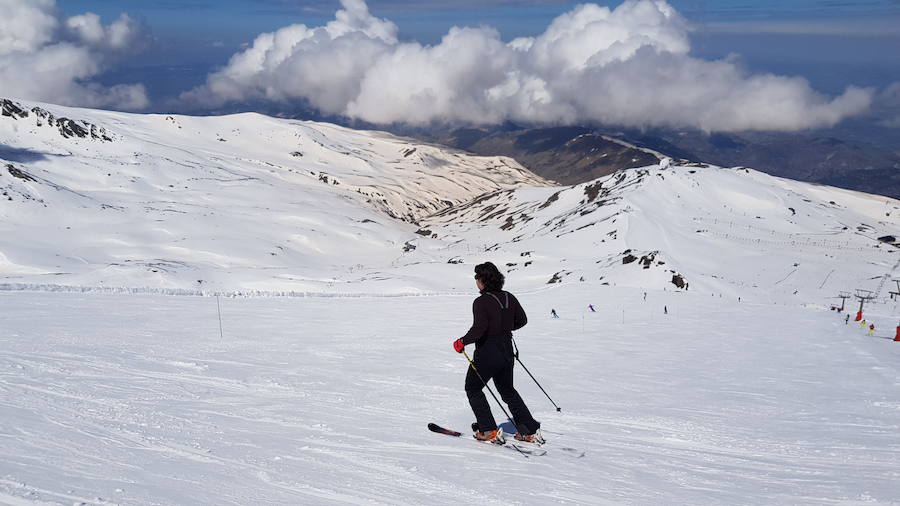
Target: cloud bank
point(48, 57)
point(629, 66)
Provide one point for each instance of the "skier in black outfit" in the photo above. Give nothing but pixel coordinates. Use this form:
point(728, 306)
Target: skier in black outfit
point(496, 315)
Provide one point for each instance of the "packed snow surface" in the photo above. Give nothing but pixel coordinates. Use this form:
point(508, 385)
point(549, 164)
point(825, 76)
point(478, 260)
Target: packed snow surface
point(116, 399)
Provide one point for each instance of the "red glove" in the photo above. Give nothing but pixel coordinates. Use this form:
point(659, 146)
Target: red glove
point(459, 346)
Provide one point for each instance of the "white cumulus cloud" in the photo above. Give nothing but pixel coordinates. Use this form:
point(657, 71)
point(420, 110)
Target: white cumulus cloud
point(47, 57)
point(630, 66)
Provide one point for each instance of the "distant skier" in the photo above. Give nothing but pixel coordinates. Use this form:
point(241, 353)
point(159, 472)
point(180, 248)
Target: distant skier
point(645, 296)
point(847, 319)
point(553, 314)
point(862, 324)
point(872, 329)
point(665, 310)
point(496, 314)
point(591, 307)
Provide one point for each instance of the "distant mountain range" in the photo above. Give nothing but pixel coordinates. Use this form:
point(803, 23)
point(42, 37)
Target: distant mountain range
point(569, 155)
point(572, 155)
point(856, 154)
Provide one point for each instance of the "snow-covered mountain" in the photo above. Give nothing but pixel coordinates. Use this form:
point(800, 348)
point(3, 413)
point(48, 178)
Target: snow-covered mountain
point(248, 202)
point(237, 202)
point(728, 231)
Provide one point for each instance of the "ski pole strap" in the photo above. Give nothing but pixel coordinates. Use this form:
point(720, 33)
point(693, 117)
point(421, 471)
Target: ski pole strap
point(515, 347)
point(466, 353)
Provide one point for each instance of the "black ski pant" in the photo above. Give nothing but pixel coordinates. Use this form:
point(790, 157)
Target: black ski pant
point(491, 364)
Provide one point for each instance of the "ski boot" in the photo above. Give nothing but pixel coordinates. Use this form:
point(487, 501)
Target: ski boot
point(489, 436)
point(536, 438)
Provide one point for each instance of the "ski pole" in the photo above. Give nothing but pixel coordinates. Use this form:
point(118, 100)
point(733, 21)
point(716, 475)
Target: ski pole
point(558, 409)
point(538, 384)
point(472, 364)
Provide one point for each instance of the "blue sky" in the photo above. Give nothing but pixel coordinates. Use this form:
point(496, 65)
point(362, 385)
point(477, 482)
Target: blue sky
point(426, 20)
point(832, 43)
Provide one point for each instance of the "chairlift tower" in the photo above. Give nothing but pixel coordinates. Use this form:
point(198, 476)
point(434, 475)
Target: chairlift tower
point(843, 296)
point(863, 296)
point(895, 295)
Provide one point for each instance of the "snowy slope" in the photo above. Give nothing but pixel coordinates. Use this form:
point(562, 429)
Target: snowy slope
point(239, 202)
point(136, 400)
point(726, 231)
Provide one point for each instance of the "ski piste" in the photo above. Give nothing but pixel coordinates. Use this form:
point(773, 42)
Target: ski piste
point(528, 452)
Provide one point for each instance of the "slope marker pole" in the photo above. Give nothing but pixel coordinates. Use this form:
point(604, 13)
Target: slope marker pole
point(219, 308)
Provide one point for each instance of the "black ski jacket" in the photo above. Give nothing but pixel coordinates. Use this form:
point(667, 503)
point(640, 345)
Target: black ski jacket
point(496, 315)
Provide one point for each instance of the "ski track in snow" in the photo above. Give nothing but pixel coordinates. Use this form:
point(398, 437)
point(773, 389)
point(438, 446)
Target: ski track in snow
point(134, 399)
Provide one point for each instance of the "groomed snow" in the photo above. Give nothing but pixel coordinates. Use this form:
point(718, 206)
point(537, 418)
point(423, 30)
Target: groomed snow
point(130, 399)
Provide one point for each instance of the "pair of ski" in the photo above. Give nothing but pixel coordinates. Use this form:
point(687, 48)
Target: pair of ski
point(533, 452)
point(526, 449)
